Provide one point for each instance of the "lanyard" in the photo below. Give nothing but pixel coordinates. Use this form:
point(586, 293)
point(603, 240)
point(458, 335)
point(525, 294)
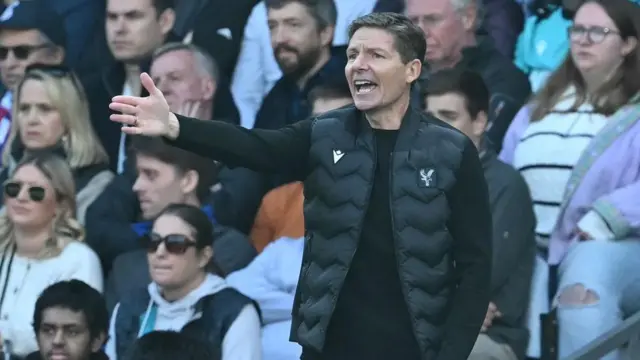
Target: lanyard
point(148, 320)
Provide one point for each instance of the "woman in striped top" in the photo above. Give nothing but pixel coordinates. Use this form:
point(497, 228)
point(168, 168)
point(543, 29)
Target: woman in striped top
point(575, 145)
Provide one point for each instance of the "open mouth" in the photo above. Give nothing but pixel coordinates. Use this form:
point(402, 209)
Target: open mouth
point(364, 86)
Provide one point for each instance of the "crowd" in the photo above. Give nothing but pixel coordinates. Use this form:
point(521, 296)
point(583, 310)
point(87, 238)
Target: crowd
point(117, 246)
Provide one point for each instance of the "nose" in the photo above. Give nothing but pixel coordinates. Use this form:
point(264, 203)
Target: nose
point(360, 63)
point(58, 337)
point(10, 62)
point(137, 185)
point(278, 36)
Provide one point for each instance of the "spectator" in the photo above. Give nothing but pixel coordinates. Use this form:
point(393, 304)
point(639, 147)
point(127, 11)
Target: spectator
point(450, 28)
point(188, 78)
point(258, 69)
point(170, 345)
point(71, 321)
point(166, 175)
point(461, 99)
point(40, 244)
point(280, 214)
point(183, 296)
point(576, 146)
point(30, 32)
point(132, 40)
point(271, 280)
point(502, 21)
point(53, 115)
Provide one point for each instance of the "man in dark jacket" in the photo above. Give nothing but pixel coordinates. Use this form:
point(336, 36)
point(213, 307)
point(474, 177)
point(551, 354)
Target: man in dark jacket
point(397, 261)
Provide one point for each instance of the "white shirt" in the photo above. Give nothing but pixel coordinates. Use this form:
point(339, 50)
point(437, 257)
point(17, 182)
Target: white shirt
point(28, 278)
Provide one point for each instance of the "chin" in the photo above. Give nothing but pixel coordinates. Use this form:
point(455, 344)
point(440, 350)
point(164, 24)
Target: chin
point(366, 105)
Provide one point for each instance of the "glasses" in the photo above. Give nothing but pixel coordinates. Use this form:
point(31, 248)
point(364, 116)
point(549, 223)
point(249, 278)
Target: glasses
point(174, 243)
point(36, 193)
point(594, 34)
point(20, 52)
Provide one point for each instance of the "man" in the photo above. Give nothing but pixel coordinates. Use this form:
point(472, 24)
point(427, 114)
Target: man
point(450, 28)
point(187, 76)
point(301, 37)
point(165, 175)
point(30, 32)
point(461, 99)
point(71, 322)
point(398, 256)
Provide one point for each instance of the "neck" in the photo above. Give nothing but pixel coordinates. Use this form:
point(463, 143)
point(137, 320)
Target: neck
point(325, 55)
point(207, 110)
point(176, 294)
point(468, 40)
point(30, 242)
point(594, 78)
point(132, 77)
point(390, 118)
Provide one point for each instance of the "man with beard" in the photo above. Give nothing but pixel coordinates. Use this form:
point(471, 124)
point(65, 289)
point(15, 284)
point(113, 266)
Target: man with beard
point(301, 37)
point(71, 323)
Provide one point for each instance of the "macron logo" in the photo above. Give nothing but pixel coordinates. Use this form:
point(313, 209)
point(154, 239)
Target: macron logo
point(337, 155)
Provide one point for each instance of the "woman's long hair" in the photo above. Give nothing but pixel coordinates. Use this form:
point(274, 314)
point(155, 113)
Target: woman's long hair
point(618, 90)
point(65, 227)
point(81, 143)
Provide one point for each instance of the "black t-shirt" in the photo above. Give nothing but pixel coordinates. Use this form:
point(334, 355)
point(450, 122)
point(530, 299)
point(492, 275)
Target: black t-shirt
point(371, 314)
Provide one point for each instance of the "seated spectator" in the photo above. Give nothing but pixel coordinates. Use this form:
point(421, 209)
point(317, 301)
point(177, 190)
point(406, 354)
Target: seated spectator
point(170, 345)
point(40, 244)
point(52, 115)
point(30, 32)
point(280, 214)
point(258, 69)
point(576, 146)
point(124, 213)
point(271, 280)
point(450, 28)
point(183, 296)
point(71, 321)
point(188, 78)
point(461, 99)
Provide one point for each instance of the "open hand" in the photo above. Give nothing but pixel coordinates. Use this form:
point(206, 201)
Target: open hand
point(143, 115)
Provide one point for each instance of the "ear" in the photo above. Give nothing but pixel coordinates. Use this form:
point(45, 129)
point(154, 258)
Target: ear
point(98, 342)
point(206, 255)
point(412, 70)
point(209, 88)
point(470, 17)
point(166, 20)
point(629, 45)
point(189, 182)
point(326, 35)
point(479, 125)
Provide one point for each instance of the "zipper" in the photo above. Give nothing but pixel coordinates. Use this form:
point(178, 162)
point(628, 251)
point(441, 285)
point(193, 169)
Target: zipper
point(395, 250)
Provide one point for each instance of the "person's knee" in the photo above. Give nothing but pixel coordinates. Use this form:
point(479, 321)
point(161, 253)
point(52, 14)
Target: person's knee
point(578, 294)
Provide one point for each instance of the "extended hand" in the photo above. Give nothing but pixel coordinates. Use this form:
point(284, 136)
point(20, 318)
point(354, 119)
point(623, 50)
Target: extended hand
point(148, 116)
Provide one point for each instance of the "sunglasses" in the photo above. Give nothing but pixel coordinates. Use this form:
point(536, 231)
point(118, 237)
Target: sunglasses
point(174, 243)
point(36, 193)
point(20, 52)
point(54, 70)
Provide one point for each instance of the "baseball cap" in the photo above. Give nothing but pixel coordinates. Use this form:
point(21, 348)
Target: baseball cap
point(35, 14)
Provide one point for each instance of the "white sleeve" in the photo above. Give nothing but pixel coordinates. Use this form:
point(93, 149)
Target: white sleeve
point(110, 348)
point(88, 268)
point(243, 339)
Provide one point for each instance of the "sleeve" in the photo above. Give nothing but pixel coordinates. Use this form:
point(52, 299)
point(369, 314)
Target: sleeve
point(88, 269)
point(110, 348)
point(243, 340)
point(470, 226)
point(273, 151)
point(615, 216)
point(513, 135)
point(275, 303)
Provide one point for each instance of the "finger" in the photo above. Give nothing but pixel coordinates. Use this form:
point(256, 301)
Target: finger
point(126, 99)
point(196, 108)
point(123, 119)
point(498, 314)
point(123, 108)
point(148, 84)
point(131, 130)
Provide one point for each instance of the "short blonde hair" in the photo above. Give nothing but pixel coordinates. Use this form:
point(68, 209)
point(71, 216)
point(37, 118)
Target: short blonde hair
point(82, 146)
point(65, 227)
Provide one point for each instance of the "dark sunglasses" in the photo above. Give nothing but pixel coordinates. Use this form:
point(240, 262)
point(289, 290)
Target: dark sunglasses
point(174, 243)
point(36, 193)
point(20, 52)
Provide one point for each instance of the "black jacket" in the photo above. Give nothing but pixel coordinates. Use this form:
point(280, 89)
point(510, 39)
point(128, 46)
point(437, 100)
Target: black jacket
point(444, 257)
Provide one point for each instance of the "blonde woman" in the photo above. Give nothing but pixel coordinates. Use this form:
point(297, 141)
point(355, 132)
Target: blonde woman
point(40, 244)
point(50, 113)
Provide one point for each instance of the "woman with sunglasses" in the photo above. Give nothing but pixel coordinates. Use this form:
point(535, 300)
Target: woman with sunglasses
point(51, 114)
point(577, 145)
point(184, 295)
point(40, 244)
